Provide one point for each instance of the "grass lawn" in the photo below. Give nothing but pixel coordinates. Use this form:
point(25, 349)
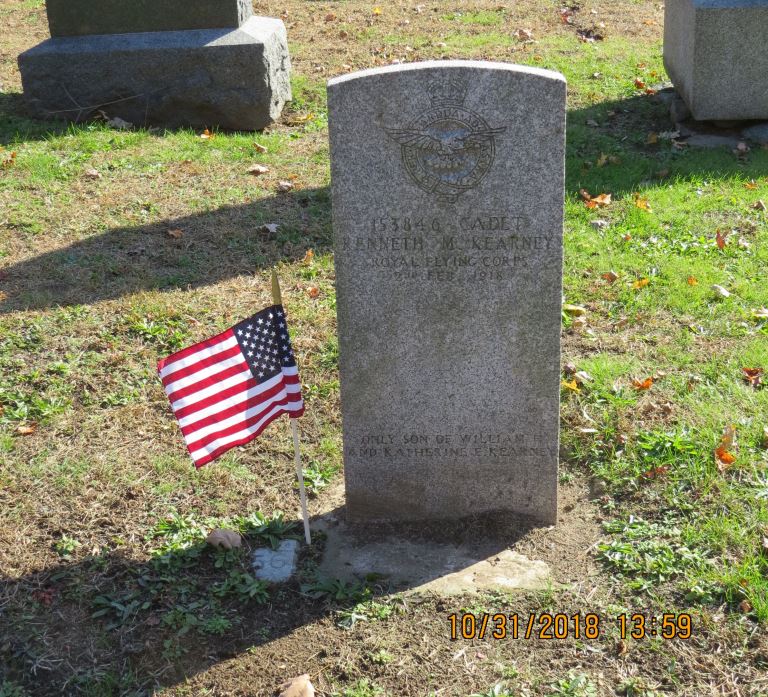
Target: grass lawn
point(118, 247)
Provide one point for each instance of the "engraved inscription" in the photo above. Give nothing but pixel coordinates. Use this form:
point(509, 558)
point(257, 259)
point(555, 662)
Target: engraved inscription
point(450, 445)
point(448, 149)
point(482, 246)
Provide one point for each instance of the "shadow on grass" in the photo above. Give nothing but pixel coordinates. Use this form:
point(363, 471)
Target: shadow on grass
point(109, 625)
point(18, 127)
point(227, 242)
point(608, 150)
point(214, 246)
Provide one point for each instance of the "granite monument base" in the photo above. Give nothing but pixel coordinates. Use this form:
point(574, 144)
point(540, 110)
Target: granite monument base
point(234, 79)
point(717, 57)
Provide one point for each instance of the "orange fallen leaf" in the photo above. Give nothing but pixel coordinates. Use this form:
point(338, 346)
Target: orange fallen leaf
point(642, 203)
point(692, 281)
point(752, 376)
point(206, 135)
point(610, 276)
point(639, 83)
point(655, 472)
point(641, 283)
point(720, 239)
point(27, 430)
point(175, 232)
point(572, 385)
point(8, 160)
point(602, 199)
point(627, 237)
point(643, 384)
point(308, 256)
point(313, 291)
point(751, 185)
point(724, 458)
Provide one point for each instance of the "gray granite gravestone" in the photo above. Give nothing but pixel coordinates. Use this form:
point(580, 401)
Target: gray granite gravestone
point(201, 63)
point(716, 54)
point(448, 182)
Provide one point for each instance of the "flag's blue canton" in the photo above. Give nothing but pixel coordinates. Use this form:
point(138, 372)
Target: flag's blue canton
point(265, 343)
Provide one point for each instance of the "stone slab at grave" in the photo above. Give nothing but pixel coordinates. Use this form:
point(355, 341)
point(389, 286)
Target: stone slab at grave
point(82, 17)
point(716, 53)
point(448, 187)
point(103, 58)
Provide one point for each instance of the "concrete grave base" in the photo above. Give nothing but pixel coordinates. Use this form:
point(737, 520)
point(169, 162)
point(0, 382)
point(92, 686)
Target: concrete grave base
point(229, 78)
point(715, 53)
point(427, 565)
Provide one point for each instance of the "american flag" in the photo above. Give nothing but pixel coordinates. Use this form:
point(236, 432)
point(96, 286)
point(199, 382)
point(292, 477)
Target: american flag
point(225, 391)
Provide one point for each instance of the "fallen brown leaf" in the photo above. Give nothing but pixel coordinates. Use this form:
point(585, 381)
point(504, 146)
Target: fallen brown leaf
point(720, 239)
point(752, 376)
point(27, 430)
point(610, 276)
point(175, 232)
point(313, 291)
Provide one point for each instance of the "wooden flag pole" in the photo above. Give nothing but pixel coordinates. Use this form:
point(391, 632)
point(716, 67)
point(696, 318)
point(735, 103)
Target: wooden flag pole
point(277, 298)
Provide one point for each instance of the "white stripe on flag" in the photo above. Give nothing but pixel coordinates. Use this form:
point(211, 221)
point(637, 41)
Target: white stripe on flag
point(192, 358)
point(215, 445)
point(240, 417)
point(225, 404)
point(211, 390)
point(204, 372)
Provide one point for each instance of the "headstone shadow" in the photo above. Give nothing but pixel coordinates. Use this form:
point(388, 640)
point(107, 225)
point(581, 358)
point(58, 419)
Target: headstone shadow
point(209, 247)
point(68, 626)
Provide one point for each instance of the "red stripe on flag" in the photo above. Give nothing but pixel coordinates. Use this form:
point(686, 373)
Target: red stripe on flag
point(247, 439)
point(209, 380)
point(190, 350)
point(203, 363)
point(235, 409)
point(241, 425)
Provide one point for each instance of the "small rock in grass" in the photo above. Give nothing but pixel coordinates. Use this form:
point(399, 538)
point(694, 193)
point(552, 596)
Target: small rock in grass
point(228, 539)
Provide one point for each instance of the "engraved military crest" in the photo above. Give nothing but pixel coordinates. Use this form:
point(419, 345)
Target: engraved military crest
point(447, 149)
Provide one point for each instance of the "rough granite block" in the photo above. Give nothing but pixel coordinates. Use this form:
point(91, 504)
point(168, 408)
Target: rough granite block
point(234, 79)
point(448, 180)
point(716, 54)
point(81, 17)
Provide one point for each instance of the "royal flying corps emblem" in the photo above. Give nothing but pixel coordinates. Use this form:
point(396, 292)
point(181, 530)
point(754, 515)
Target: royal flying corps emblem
point(447, 149)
